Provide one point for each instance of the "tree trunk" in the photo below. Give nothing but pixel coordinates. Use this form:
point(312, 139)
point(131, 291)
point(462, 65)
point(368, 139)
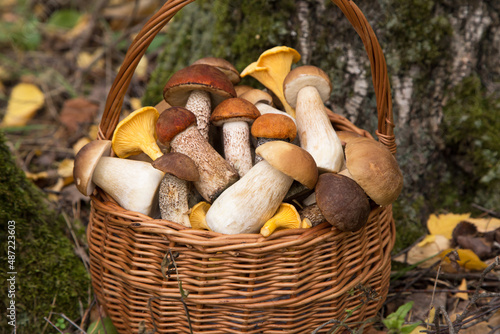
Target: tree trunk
point(444, 69)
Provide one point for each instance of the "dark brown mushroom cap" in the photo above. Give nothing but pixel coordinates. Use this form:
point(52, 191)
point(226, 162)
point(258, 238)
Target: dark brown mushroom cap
point(173, 121)
point(178, 165)
point(223, 65)
point(234, 109)
point(342, 202)
point(197, 77)
point(274, 126)
point(291, 160)
point(85, 163)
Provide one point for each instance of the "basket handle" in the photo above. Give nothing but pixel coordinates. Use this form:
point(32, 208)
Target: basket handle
point(380, 78)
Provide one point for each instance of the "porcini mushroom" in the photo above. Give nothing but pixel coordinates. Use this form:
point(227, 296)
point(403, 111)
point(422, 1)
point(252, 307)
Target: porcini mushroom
point(306, 88)
point(271, 69)
point(136, 134)
point(176, 127)
point(342, 202)
point(179, 169)
point(245, 206)
point(223, 65)
point(374, 168)
point(235, 115)
point(269, 127)
point(198, 88)
point(286, 217)
point(133, 184)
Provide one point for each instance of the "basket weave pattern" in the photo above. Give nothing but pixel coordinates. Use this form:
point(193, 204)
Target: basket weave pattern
point(291, 282)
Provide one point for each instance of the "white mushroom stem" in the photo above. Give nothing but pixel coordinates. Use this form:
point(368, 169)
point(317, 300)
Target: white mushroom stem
point(216, 174)
point(316, 132)
point(173, 200)
point(237, 150)
point(249, 203)
point(200, 105)
point(265, 108)
point(133, 184)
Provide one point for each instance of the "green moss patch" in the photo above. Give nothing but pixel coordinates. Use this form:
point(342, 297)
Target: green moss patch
point(50, 277)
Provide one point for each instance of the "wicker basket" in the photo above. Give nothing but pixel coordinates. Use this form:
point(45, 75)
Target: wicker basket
point(291, 282)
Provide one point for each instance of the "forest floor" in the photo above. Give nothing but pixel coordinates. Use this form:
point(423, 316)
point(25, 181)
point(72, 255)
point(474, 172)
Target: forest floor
point(71, 51)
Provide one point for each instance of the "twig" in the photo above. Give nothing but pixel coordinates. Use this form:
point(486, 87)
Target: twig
point(488, 211)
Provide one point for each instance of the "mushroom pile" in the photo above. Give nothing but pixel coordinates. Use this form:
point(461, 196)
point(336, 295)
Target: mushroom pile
point(230, 158)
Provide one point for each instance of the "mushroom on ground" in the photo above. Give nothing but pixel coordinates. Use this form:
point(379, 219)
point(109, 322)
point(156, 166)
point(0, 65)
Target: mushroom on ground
point(245, 206)
point(306, 88)
point(271, 69)
point(223, 65)
point(234, 115)
point(136, 134)
point(374, 168)
point(133, 184)
point(179, 169)
point(198, 88)
point(176, 127)
point(286, 217)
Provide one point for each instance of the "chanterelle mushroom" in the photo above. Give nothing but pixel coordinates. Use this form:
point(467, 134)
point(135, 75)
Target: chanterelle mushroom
point(136, 134)
point(179, 169)
point(176, 127)
point(306, 88)
point(198, 88)
point(249, 203)
point(133, 184)
point(234, 115)
point(374, 168)
point(286, 217)
point(271, 69)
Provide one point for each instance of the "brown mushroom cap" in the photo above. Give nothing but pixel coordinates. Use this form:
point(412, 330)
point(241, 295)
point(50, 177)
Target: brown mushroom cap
point(303, 76)
point(223, 65)
point(274, 126)
point(375, 169)
point(342, 202)
point(257, 96)
point(197, 77)
point(234, 109)
point(85, 163)
point(346, 136)
point(291, 160)
point(178, 165)
point(173, 121)
point(242, 89)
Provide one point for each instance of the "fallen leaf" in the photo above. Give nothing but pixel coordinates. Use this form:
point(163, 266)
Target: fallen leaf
point(462, 287)
point(65, 168)
point(475, 244)
point(78, 113)
point(485, 224)
point(479, 328)
point(444, 224)
point(25, 99)
point(467, 260)
point(425, 250)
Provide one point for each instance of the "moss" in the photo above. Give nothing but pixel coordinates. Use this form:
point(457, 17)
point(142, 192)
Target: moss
point(418, 33)
point(410, 221)
point(471, 120)
point(50, 277)
point(238, 31)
